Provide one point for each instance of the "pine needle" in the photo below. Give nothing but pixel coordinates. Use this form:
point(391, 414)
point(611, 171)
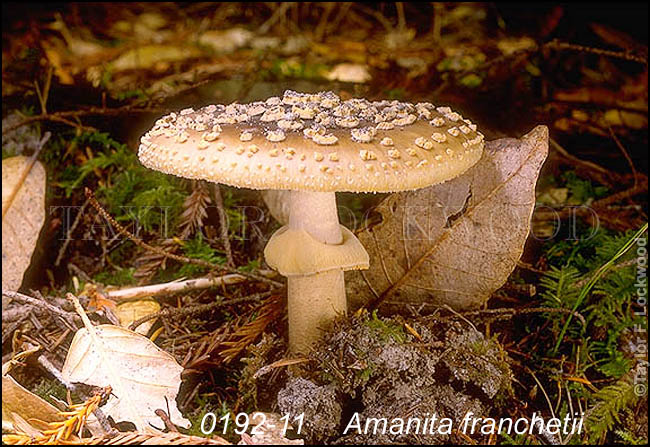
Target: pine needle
point(247, 334)
point(67, 431)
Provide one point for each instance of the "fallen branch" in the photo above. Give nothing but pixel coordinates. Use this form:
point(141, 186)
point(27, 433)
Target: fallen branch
point(179, 286)
point(68, 317)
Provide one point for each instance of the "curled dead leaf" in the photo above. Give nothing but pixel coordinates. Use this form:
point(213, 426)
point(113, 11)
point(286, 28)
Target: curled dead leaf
point(457, 242)
point(23, 214)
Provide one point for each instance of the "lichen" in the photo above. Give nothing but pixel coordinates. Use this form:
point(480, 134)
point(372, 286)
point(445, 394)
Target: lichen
point(374, 367)
point(478, 360)
point(320, 405)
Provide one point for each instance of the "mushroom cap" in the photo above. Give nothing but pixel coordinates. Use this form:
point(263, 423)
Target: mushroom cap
point(315, 142)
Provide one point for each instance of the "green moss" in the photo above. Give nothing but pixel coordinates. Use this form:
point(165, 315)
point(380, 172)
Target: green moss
point(386, 328)
point(209, 403)
point(250, 266)
point(395, 93)
point(294, 68)
point(116, 277)
point(582, 191)
point(198, 248)
point(47, 389)
point(607, 308)
point(598, 348)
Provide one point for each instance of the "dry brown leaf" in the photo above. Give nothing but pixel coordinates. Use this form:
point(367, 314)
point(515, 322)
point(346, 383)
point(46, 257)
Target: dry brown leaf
point(130, 311)
point(457, 242)
point(144, 378)
point(23, 209)
point(20, 406)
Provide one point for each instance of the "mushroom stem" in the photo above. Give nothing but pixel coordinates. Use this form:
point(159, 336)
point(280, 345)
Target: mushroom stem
point(316, 213)
point(314, 300)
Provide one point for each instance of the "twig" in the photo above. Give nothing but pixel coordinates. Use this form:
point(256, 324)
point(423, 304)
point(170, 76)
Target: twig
point(9, 328)
point(555, 44)
point(279, 12)
point(639, 189)
point(547, 436)
point(461, 316)
point(74, 269)
point(45, 363)
point(198, 309)
point(62, 116)
point(169, 425)
point(401, 17)
point(12, 195)
point(140, 243)
point(137, 438)
point(178, 286)
point(319, 33)
point(223, 223)
point(625, 154)
point(437, 19)
point(279, 363)
point(68, 317)
point(604, 176)
point(344, 8)
point(377, 15)
point(598, 205)
point(501, 314)
point(43, 95)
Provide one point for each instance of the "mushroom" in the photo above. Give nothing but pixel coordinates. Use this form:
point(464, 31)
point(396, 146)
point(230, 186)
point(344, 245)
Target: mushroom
point(314, 145)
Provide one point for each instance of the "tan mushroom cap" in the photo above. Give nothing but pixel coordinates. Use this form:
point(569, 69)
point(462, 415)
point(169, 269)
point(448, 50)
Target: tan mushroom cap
point(315, 142)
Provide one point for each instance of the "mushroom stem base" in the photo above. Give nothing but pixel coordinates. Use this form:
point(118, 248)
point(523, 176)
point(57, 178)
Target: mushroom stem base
point(314, 301)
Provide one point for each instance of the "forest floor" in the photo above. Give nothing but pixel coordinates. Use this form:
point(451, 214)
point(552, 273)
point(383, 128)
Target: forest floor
point(565, 335)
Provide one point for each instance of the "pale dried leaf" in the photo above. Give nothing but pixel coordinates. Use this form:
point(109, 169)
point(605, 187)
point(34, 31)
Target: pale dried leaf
point(457, 242)
point(24, 216)
point(347, 72)
point(226, 41)
point(144, 378)
point(130, 311)
point(19, 404)
point(149, 56)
